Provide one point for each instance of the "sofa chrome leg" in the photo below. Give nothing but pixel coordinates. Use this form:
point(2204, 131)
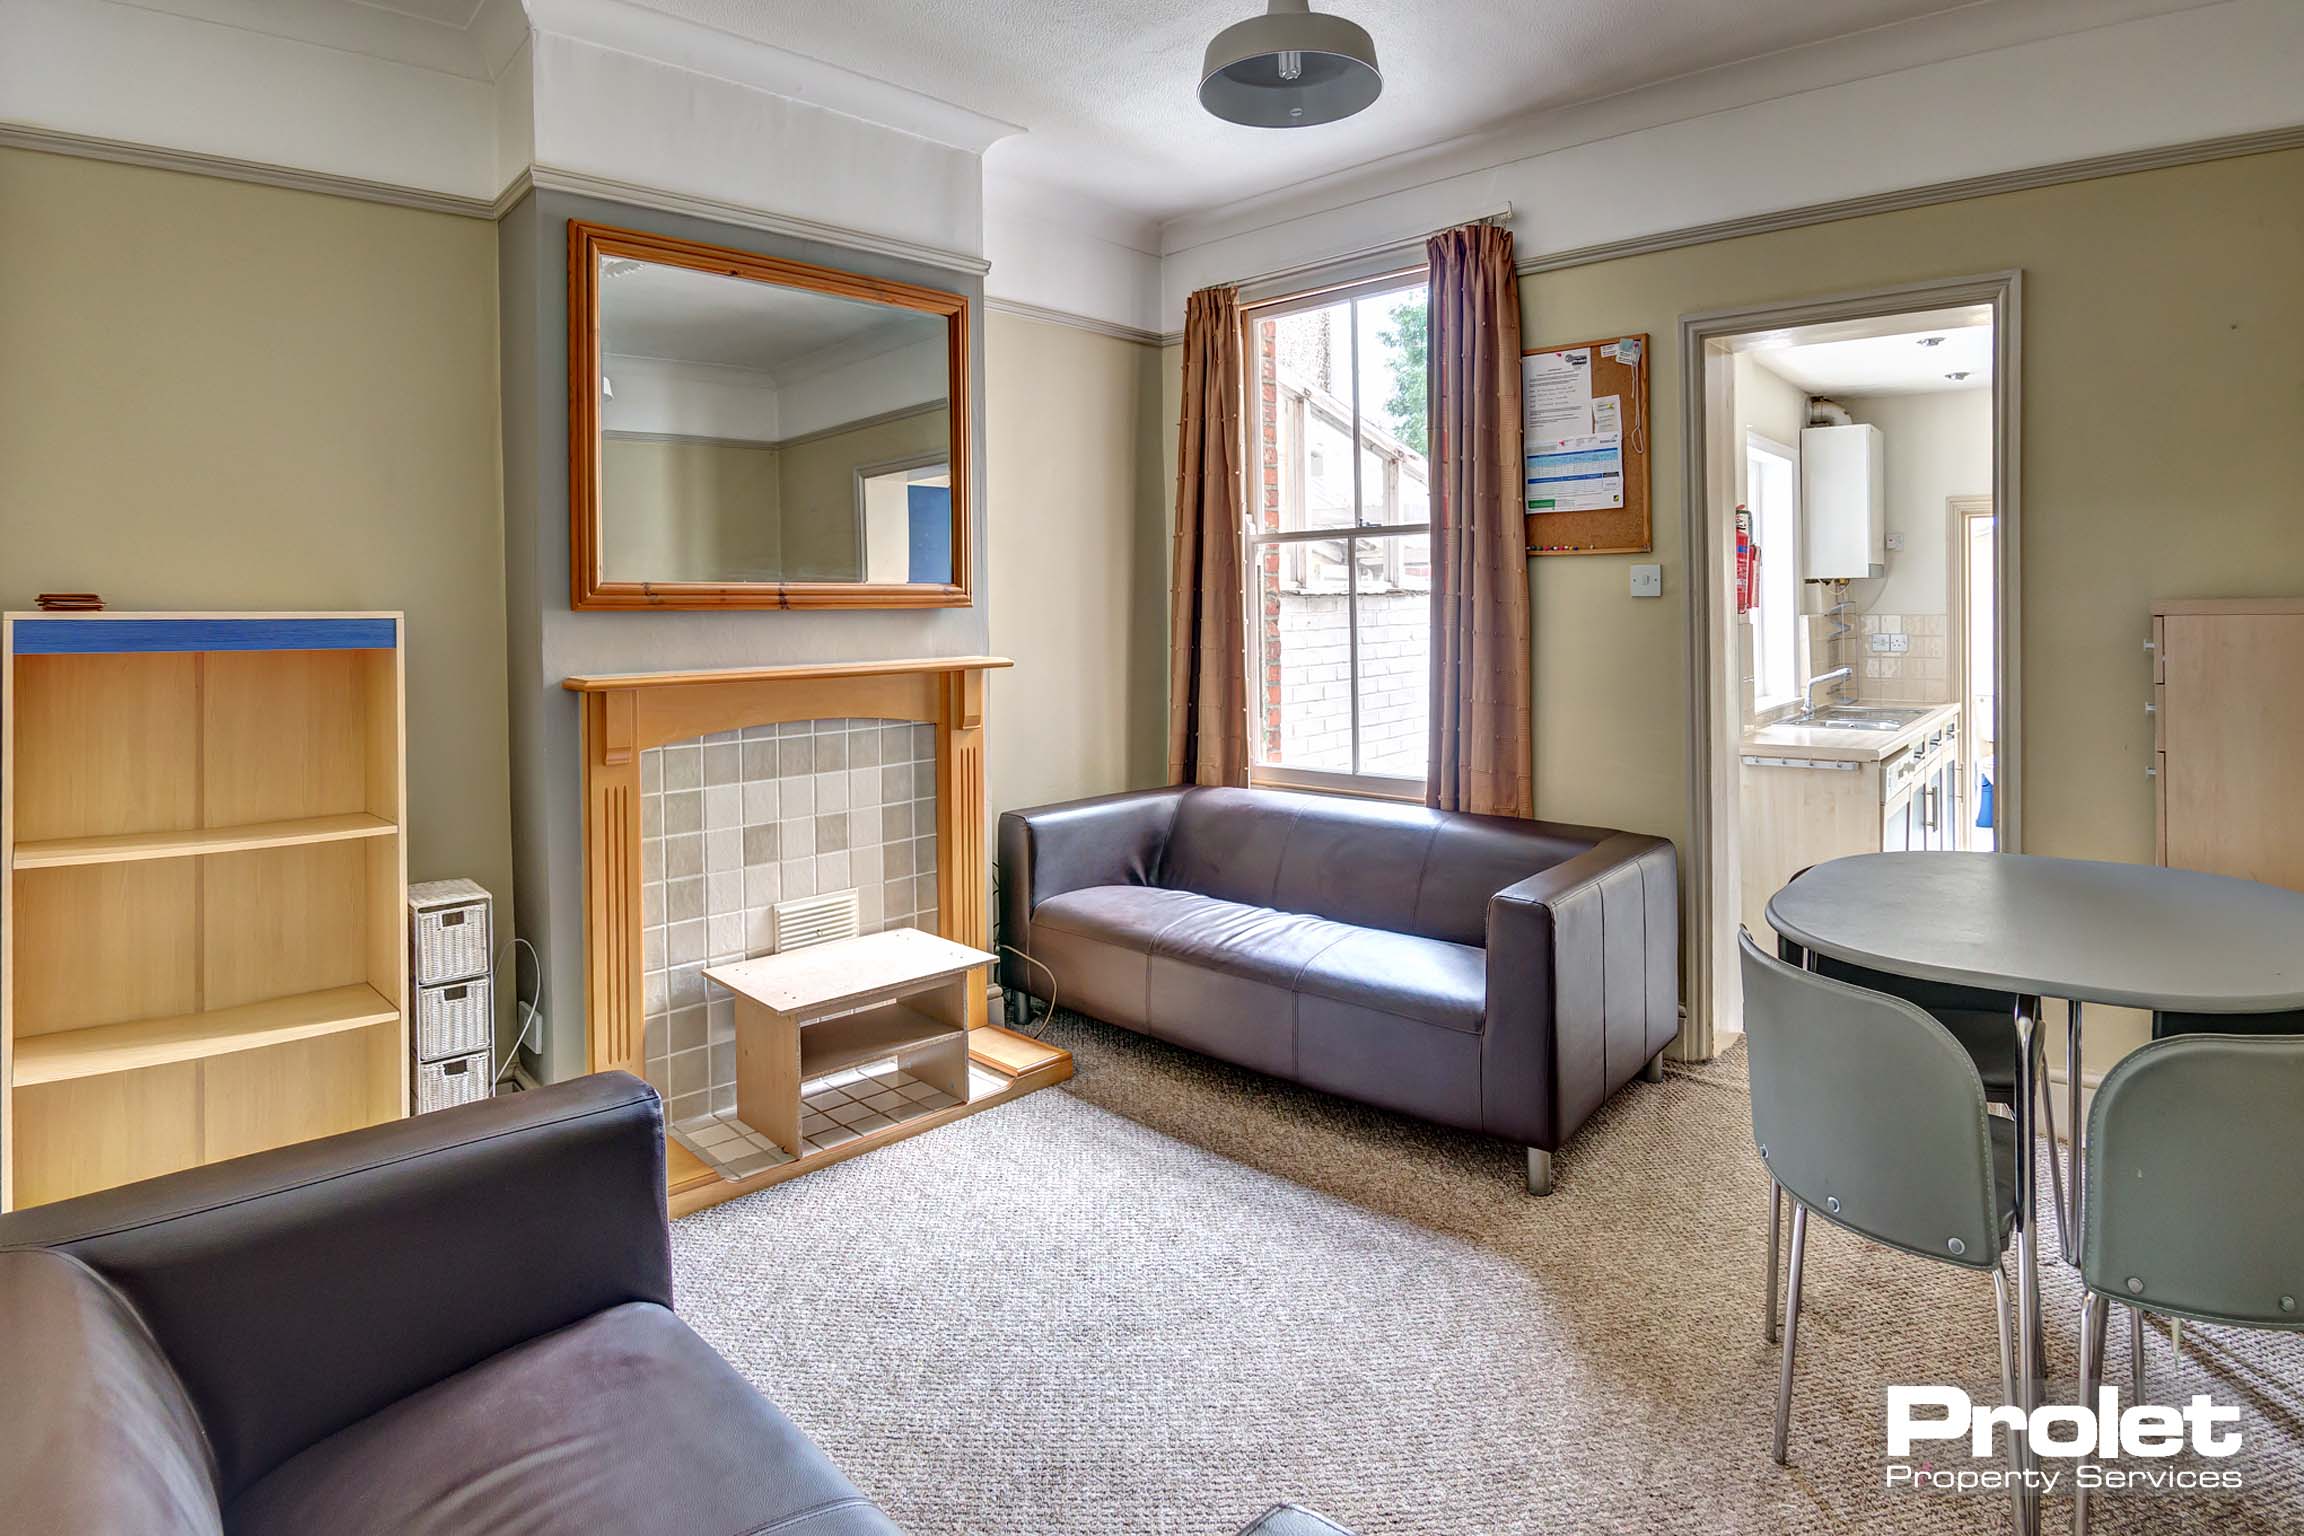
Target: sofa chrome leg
point(1654, 1071)
point(1539, 1171)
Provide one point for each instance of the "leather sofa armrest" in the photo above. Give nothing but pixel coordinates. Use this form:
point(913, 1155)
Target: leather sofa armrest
point(302, 1290)
point(1583, 985)
point(1050, 849)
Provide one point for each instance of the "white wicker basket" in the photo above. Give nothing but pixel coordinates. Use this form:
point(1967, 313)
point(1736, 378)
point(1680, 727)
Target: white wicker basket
point(449, 931)
point(458, 1080)
point(454, 1020)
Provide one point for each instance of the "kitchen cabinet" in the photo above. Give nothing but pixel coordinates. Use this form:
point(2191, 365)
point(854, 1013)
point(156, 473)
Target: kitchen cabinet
point(2228, 732)
point(1843, 503)
point(1800, 808)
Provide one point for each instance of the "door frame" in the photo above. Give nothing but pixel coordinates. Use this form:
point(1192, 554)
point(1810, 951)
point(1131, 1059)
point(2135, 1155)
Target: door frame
point(1708, 481)
point(1958, 512)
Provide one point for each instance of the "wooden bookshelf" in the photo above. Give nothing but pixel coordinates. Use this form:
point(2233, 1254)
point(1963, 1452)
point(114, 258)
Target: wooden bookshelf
point(203, 881)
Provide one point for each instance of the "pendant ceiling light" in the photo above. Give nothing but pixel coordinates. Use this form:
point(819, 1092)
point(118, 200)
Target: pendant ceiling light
point(1289, 68)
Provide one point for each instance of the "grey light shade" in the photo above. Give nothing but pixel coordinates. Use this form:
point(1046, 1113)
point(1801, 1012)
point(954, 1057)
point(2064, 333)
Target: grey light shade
point(1290, 68)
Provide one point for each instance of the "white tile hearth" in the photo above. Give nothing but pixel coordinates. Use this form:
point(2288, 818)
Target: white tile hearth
point(737, 821)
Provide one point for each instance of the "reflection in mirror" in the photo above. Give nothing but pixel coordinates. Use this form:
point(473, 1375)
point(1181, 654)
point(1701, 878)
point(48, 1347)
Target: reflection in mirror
point(752, 432)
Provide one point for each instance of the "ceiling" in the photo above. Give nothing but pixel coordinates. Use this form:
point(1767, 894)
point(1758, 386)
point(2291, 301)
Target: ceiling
point(1915, 355)
point(1106, 88)
point(648, 310)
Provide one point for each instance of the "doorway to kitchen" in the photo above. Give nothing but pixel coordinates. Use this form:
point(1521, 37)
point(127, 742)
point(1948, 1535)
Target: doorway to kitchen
point(1852, 628)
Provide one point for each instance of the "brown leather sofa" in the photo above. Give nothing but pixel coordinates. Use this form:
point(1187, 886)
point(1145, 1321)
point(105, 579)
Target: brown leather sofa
point(1499, 975)
point(453, 1324)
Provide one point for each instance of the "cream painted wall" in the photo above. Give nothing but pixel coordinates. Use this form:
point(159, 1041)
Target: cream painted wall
point(219, 395)
point(1078, 556)
point(1938, 446)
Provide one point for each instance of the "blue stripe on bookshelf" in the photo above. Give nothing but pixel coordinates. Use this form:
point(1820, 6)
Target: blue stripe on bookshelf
point(87, 637)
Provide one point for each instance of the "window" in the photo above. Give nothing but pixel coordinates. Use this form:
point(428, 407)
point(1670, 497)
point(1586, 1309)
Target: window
point(1771, 489)
point(1339, 539)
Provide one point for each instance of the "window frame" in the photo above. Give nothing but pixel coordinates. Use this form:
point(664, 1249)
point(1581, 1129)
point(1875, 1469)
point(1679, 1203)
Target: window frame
point(1379, 786)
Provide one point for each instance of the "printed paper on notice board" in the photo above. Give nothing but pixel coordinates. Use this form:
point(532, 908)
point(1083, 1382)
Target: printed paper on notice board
point(1577, 474)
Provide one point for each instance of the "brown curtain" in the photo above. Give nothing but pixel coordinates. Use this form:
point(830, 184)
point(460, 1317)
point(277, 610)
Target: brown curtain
point(1207, 661)
point(1480, 742)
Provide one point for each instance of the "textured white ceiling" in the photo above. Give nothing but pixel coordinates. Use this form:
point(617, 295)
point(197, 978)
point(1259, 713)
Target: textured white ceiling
point(1107, 88)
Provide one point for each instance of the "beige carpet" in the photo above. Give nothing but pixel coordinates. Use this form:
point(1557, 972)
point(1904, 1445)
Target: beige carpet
point(1163, 1297)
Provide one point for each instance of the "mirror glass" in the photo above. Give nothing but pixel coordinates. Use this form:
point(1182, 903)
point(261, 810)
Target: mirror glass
point(754, 432)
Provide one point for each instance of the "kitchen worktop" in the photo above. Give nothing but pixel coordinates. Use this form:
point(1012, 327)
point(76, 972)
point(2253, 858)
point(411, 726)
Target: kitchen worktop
point(1839, 744)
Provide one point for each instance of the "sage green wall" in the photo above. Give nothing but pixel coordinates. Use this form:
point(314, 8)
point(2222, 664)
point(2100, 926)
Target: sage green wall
point(2163, 351)
point(1079, 564)
point(690, 510)
point(220, 395)
point(819, 480)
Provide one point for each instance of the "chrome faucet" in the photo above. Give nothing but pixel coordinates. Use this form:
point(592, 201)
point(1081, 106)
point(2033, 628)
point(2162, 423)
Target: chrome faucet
point(1808, 694)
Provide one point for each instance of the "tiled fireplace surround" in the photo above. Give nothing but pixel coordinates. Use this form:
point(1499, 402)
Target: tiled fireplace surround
point(732, 823)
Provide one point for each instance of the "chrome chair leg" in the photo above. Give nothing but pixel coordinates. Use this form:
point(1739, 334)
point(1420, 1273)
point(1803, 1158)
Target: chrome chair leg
point(2136, 1354)
point(1791, 1333)
point(1539, 1171)
point(2006, 1331)
point(2092, 1329)
point(1775, 1250)
point(2067, 1227)
point(2077, 1206)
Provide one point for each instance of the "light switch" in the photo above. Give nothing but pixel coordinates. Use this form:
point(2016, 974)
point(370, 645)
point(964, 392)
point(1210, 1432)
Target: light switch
point(1895, 543)
point(1648, 581)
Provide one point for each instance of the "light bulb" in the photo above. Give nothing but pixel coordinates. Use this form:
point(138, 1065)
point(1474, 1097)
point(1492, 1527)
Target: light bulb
point(1291, 64)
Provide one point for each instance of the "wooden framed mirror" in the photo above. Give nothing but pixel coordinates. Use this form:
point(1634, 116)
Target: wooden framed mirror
point(748, 432)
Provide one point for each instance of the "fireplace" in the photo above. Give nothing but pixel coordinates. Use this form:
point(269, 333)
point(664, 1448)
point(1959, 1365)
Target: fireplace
point(711, 796)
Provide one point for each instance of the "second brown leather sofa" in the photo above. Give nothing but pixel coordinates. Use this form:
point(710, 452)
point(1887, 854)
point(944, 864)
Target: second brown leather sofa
point(1499, 975)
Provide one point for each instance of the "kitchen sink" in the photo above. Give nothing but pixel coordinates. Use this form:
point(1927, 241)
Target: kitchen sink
point(1859, 717)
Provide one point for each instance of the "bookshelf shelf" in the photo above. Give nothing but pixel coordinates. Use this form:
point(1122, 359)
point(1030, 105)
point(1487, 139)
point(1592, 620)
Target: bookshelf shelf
point(127, 847)
point(205, 887)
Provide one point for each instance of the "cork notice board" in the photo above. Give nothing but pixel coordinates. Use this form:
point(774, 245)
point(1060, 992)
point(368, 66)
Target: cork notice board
point(1585, 437)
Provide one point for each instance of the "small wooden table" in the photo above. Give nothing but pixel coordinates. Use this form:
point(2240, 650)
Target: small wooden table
point(807, 1014)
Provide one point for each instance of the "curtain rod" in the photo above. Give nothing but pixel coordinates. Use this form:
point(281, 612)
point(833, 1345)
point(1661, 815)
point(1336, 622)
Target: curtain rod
point(1493, 216)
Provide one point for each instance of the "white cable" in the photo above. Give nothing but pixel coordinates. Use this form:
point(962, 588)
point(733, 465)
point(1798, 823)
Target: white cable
point(1049, 1016)
point(535, 1009)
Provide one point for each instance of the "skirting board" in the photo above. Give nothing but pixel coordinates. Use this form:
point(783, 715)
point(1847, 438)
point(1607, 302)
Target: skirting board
point(1027, 1064)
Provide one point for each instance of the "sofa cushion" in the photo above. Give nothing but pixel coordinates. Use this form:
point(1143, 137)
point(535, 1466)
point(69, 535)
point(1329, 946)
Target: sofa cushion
point(1427, 980)
point(96, 1433)
point(1375, 865)
point(623, 1423)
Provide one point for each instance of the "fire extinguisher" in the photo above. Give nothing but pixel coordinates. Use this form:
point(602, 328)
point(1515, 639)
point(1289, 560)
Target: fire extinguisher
point(1747, 561)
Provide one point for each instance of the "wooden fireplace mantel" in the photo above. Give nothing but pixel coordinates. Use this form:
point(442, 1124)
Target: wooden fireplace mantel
point(626, 714)
point(614, 682)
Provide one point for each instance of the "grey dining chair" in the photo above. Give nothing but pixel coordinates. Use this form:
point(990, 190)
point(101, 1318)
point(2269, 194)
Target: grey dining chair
point(1870, 1113)
point(1984, 1022)
point(2193, 1209)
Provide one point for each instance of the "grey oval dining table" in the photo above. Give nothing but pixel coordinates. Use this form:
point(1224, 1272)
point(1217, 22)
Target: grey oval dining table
point(2132, 935)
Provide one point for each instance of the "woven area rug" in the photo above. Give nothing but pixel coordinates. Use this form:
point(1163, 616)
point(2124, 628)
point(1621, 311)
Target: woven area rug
point(1170, 1293)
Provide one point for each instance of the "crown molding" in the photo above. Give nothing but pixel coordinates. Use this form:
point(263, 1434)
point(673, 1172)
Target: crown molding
point(2165, 157)
point(545, 178)
point(2199, 151)
point(1047, 316)
point(224, 167)
point(623, 27)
